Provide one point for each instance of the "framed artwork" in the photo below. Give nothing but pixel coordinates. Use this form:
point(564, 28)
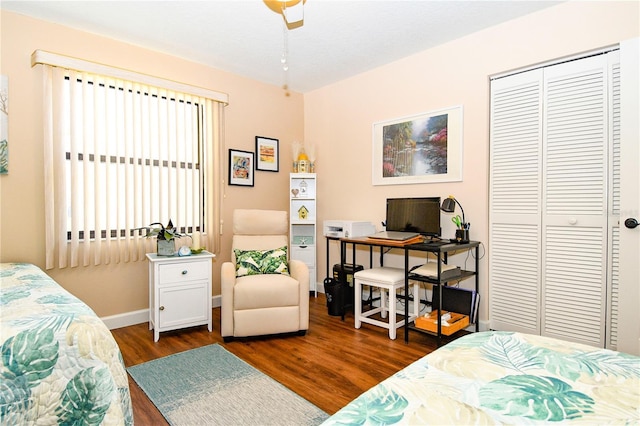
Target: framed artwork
point(267, 153)
point(4, 123)
point(240, 168)
point(422, 148)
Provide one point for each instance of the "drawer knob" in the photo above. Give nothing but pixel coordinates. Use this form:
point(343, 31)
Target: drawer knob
point(161, 308)
point(184, 272)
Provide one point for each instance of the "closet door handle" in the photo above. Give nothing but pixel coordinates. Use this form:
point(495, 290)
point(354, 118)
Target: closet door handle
point(631, 223)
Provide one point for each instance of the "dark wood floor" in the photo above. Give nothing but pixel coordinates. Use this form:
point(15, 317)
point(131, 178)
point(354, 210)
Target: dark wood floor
point(329, 366)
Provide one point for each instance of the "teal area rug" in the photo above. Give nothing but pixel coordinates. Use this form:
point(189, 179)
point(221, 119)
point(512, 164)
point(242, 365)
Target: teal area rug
point(211, 386)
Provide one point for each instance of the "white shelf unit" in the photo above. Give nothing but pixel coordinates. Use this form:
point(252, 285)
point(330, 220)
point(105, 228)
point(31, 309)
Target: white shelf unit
point(302, 220)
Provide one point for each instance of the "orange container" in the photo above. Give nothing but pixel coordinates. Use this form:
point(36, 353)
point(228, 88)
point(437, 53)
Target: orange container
point(430, 322)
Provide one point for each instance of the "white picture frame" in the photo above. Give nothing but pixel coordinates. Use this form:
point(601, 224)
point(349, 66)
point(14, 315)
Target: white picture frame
point(421, 148)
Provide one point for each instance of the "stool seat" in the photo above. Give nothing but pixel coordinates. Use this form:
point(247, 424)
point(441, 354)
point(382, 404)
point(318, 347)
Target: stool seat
point(388, 280)
point(382, 274)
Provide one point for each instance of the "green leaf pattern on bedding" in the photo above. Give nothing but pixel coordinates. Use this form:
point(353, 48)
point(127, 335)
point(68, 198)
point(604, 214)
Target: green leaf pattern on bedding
point(506, 378)
point(86, 398)
point(535, 397)
point(59, 362)
point(31, 354)
point(381, 406)
point(15, 397)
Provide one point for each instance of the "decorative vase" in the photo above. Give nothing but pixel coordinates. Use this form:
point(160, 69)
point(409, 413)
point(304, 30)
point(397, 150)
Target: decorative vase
point(166, 247)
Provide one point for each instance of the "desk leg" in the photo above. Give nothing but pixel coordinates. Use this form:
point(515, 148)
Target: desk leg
point(406, 295)
point(327, 262)
point(440, 291)
point(357, 310)
point(477, 287)
point(343, 260)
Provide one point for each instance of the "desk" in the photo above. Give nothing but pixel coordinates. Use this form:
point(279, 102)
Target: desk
point(442, 252)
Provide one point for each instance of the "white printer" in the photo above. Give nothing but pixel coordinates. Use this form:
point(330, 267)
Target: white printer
point(347, 228)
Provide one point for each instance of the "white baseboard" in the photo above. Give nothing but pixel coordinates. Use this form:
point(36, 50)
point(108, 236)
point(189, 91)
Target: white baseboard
point(483, 325)
point(138, 317)
point(126, 319)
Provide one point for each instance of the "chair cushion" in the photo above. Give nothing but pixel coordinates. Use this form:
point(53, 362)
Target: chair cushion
point(254, 262)
point(260, 222)
point(265, 291)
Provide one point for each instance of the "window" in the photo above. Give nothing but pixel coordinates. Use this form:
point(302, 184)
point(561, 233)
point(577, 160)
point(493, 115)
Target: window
point(121, 154)
point(101, 168)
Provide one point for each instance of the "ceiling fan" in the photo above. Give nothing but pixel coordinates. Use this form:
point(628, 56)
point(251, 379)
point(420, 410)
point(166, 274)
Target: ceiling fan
point(292, 11)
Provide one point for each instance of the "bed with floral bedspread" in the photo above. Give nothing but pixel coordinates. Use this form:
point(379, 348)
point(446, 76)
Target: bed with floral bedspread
point(59, 362)
point(505, 378)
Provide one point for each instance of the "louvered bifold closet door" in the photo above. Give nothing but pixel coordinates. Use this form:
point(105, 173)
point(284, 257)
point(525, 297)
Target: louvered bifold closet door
point(614, 202)
point(515, 202)
point(575, 200)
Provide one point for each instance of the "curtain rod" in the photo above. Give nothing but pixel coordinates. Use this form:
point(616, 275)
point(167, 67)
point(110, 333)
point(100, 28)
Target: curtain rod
point(54, 59)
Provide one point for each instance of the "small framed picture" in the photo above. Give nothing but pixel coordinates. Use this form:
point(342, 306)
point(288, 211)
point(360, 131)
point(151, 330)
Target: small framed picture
point(240, 168)
point(267, 153)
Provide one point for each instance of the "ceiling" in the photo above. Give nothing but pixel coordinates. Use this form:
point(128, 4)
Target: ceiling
point(339, 38)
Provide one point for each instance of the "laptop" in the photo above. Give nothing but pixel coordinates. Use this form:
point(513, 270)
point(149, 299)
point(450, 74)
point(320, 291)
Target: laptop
point(394, 235)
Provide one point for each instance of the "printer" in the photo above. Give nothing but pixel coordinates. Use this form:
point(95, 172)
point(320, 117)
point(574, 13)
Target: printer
point(347, 228)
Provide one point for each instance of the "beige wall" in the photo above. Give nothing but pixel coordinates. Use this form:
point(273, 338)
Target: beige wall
point(339, 118)
point(254, 109)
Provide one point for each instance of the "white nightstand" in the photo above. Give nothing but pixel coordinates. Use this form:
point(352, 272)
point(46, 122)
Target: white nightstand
point(179, 292)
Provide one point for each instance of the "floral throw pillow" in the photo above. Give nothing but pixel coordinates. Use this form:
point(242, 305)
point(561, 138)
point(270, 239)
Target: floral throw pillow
point(254, 262)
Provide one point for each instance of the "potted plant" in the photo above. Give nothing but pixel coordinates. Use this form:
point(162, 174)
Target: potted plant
point(165, 236)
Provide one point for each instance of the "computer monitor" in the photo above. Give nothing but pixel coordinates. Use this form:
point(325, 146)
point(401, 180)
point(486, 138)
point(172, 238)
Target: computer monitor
point(420, 215)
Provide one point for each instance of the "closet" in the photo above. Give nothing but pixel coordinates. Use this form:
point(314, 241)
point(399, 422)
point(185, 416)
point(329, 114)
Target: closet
point(554, 200)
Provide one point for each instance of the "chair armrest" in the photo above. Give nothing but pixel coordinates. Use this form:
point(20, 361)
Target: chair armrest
point(227, 281)
point(300, 271)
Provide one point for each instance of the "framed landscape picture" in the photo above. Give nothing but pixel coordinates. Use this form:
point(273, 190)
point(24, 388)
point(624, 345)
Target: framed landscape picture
point(4, 123)
point(240, 168)
point(423, 148)
point(268, 156)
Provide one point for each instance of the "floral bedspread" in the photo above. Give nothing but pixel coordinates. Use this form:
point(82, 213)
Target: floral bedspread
point(505, 378)
point(59, 362)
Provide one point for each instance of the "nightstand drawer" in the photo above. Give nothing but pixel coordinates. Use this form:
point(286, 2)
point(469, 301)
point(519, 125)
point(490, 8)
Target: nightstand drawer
point(185, 271)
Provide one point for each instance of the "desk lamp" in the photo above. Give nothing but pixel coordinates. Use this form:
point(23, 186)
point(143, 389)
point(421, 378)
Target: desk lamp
point(449, 206)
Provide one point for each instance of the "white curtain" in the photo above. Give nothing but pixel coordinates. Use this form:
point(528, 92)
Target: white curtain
point(119, 154)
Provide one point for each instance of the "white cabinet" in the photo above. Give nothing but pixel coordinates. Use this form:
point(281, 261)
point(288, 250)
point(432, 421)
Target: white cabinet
point(302, 219)
point(179, 292)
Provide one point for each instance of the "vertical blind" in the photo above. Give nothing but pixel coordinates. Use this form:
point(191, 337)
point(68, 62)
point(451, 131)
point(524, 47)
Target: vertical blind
point(123, 150)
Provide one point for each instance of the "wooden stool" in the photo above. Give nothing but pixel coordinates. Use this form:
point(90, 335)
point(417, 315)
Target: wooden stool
point(388, 280)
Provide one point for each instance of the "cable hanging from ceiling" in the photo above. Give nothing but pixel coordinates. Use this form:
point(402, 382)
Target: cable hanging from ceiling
point(285, 59)
point(292, 12)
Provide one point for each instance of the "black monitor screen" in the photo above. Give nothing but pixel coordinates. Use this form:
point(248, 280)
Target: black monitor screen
point(420, 215)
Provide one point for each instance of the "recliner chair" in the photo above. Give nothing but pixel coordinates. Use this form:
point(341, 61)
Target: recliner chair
point(258, 296)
